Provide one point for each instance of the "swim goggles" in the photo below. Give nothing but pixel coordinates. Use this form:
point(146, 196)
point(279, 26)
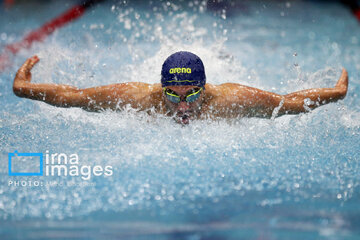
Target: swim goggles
point(191, 96)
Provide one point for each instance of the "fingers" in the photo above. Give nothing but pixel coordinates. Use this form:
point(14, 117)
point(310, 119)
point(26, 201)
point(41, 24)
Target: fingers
point(343, 80)
point(30, 62)
point(344, 74)
point(24, 73)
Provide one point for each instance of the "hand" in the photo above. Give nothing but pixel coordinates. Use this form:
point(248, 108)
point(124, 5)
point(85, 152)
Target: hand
point(343, 82)
point(24, 72)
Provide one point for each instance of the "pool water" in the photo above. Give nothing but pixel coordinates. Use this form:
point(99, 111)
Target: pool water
point(292, 177)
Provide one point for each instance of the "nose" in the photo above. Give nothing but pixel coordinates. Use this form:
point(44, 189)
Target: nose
point(183, 106)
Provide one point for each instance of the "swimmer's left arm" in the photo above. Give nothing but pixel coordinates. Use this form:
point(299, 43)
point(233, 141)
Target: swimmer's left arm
point(306, 100)
point(259, 103)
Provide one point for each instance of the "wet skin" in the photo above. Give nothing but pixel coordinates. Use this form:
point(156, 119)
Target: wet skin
point(227, 100)
point(183, 111)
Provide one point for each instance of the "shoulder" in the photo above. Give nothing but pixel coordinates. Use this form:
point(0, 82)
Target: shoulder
point(134, 88)
point(224, 91)
point(226, 100)
point(148, 95)
point(140, 95)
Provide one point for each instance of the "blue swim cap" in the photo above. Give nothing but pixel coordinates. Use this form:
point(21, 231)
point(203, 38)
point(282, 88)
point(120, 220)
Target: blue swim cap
point(183, 68)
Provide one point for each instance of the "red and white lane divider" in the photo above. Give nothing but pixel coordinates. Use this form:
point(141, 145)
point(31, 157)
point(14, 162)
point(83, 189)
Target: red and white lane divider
point(45, 30)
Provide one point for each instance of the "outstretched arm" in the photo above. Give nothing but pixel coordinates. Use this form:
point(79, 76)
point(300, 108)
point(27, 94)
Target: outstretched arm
point(259, 103)
point(306, 100)
point(113, 96)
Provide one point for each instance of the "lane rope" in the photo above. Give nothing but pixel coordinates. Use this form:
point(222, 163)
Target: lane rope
point(45, 30)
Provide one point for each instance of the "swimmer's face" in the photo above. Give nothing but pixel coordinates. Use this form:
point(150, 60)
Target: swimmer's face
point(184, 111)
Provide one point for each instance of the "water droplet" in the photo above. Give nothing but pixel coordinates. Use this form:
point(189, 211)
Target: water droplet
point(223, 15)
point(3, 36)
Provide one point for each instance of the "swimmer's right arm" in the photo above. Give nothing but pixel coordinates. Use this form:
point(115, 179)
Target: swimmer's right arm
point(114, 96)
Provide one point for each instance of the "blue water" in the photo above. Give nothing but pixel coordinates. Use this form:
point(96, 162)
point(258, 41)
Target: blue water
point(293, 177)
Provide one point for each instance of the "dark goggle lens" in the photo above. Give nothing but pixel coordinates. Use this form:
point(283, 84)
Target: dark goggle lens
point(172, 96)
point(192, 95)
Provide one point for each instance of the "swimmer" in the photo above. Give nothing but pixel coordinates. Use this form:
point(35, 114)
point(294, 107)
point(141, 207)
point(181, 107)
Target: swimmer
point(182, 94)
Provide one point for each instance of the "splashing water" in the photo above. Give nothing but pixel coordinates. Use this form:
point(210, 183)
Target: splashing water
point(245, 178)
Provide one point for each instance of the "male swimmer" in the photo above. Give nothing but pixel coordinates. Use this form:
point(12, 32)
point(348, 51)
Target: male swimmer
point(182, 94)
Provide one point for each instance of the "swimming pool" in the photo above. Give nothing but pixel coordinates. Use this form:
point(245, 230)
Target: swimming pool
point(291, 177)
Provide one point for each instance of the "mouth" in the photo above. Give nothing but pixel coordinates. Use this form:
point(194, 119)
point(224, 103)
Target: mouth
point(183, 118)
